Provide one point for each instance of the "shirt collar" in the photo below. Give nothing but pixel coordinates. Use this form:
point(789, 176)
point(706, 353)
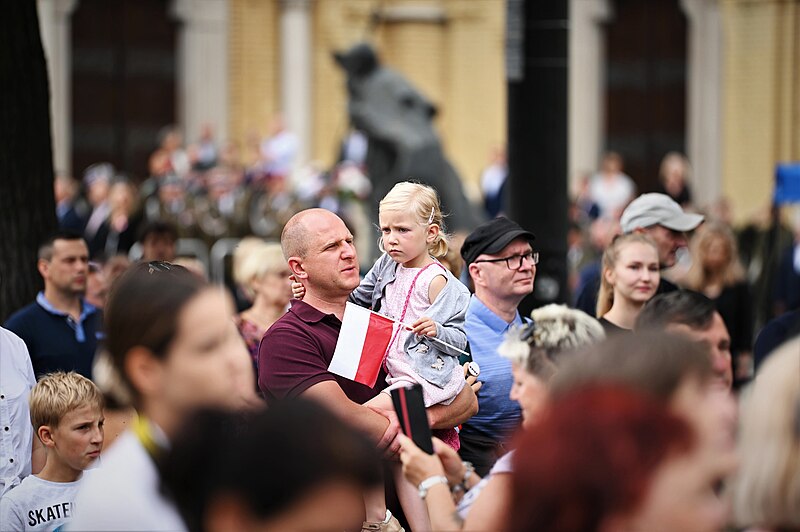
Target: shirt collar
point(495, 322)
point(86, 308)
point(307, 313)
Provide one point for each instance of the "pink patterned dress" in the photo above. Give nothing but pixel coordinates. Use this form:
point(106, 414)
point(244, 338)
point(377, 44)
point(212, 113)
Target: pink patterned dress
point(398, 363)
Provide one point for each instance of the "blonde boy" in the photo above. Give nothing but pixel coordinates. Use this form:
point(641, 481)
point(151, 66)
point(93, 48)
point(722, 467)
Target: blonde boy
point(67, 415)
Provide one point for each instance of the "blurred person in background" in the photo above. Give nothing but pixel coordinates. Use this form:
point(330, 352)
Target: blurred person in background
point(118, 231)
point(72, 211)
point(294, 466)
point(786, 291)
point(611, 459)
point(97, 182)
point(475, 503)
point(611, 189)
point(673, 178)
point(261, 272)
point(765, 492)
point(278, 150)
point(630, 277)
point(174, 347)
point(493, 180)
point(158, 239)
point(695, 316)
point(672, 368)
point(96, 285)
point(717, 273)
point(60, 328)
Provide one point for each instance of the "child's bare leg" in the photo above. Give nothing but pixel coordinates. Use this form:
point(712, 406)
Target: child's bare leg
point(382, 401)
point(375, 504)
point(413, 507)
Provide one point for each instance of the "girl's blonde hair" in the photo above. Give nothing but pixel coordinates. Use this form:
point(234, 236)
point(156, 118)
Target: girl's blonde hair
point(422, 202)
point(733, 272)
point(253, 260)
point(605, 298)
point(766, 489)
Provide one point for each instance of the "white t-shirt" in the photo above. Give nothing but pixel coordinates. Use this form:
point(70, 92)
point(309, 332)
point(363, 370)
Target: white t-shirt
point(123, 493)
point(38, 504)
point(16, 432)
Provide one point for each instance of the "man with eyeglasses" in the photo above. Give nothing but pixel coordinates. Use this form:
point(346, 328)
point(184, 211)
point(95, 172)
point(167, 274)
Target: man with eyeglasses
point(502, 265)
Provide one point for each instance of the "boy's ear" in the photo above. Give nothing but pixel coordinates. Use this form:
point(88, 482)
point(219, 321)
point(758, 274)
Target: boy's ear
point(143, 369)
point(45, 435)
point(296, 265)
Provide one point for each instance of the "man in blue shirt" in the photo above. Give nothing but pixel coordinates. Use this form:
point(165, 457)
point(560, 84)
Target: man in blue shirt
point(502, 265)
point(60, 329)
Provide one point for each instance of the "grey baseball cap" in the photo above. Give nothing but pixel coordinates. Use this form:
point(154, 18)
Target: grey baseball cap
point(658, 209)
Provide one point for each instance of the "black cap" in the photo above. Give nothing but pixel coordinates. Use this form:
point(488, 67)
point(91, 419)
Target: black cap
point(491, 237)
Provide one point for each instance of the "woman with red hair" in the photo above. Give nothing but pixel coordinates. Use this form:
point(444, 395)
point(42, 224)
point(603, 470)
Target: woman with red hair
point(606, 458)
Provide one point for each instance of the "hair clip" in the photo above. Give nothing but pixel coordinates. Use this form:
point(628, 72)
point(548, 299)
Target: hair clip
point(430, 218)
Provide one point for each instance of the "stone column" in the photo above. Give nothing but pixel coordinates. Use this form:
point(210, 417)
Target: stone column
point(296, 68)
point(586, 85)
point(54, 25)
point(202, 66)
point(704, 97)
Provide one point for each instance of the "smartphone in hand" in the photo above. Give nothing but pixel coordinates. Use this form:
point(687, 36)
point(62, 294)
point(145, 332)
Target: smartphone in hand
point(410, 408)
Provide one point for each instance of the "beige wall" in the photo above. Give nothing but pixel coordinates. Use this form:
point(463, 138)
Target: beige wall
point(457, 61)
point(254, 86)
point(761, 108)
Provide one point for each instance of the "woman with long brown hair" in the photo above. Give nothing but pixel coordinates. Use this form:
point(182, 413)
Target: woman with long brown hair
point(717, 273)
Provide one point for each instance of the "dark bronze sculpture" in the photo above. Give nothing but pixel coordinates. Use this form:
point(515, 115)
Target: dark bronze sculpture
point(402, 144)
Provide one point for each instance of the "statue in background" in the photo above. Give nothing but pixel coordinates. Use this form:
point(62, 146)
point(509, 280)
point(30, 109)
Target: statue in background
point(402, 143)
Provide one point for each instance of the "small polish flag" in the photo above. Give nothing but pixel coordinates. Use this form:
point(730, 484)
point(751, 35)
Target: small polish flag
point(362, 344)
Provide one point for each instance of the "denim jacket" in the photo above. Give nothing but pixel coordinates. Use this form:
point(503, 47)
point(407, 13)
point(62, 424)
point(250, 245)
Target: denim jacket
point(433, 361)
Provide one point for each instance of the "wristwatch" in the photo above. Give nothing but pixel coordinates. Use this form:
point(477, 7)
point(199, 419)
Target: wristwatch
point(429, 482)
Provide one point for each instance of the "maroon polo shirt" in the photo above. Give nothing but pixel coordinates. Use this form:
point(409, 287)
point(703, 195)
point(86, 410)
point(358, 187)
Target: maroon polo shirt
point(296, 351)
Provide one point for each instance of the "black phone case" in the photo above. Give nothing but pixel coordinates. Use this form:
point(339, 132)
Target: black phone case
point(410, 408)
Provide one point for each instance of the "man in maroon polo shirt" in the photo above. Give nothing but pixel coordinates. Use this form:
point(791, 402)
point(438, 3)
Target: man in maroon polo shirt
point(295, 352)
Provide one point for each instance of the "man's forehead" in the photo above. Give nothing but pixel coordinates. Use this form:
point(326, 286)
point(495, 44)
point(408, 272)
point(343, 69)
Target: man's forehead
point(518, 245)
point(714, 332)
point(70, 247)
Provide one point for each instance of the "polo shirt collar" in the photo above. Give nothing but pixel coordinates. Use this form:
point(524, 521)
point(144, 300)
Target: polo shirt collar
point(307, 313)
point(87, 309)
point(492, 320)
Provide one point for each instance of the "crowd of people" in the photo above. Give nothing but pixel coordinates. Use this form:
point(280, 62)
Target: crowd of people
point(136, 395)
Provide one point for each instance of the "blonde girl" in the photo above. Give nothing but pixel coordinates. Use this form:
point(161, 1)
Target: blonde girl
point(410, 285)
point(629, 279)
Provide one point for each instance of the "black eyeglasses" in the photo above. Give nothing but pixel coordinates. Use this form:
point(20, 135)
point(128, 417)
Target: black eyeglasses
point(158, 266)
point(514, 262)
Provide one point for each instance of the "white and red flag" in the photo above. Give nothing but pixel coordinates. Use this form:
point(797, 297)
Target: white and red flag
point(362, 344)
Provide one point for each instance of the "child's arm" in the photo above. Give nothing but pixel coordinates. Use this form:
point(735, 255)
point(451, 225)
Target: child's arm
point(448, 313)
point(362, 296)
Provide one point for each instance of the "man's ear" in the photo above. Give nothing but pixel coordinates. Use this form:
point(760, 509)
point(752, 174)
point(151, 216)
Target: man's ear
point(296, 265)
point(143, 370)
point(43, 266)
point(45, 434)
point(475, 273)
